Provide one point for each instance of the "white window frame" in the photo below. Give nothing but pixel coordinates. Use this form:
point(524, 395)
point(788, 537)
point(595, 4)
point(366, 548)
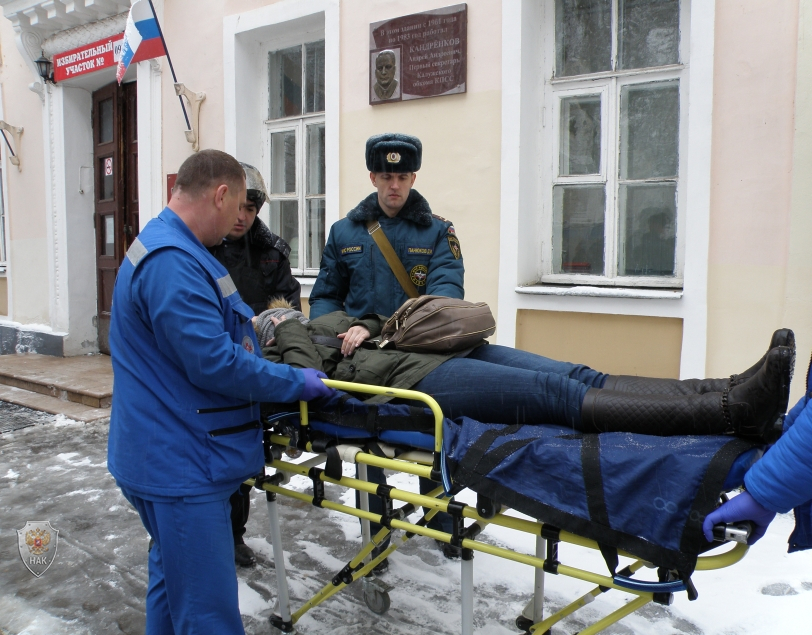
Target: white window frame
point(609, 85)
point(4, 198)
point(297, 123)
point(247, 39)
point(522, 204)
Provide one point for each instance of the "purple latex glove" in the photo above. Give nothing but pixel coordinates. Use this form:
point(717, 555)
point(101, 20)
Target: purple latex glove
point(742, 507)
point(314, 386)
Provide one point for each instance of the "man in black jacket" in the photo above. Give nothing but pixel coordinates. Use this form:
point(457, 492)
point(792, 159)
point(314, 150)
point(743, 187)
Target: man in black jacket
point(257, 261)
point(256, 258)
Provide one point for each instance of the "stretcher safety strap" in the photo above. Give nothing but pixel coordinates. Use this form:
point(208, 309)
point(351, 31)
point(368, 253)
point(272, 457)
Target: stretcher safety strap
point(595, 497)
point(473, 470)
point(693, 540)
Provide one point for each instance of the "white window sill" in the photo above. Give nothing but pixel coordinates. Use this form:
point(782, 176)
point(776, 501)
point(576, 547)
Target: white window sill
point(602, 292)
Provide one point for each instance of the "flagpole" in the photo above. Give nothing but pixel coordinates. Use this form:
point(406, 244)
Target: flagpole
point(169, 59)
point(10, 149)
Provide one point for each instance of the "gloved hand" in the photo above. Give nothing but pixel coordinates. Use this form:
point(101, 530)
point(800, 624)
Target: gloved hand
point(742, 507)
point(314, 386)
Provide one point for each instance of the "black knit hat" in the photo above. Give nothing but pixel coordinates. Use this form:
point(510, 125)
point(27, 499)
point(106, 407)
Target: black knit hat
point(394, 152)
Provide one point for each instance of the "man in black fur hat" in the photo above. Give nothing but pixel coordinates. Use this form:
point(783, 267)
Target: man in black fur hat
point(257, 261)
point(356, 278)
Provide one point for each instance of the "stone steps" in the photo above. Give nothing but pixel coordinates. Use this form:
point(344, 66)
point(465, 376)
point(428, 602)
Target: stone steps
point(52, 405)
point(78, 387)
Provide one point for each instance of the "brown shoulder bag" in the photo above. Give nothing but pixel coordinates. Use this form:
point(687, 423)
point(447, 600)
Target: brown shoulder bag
point(435, 324)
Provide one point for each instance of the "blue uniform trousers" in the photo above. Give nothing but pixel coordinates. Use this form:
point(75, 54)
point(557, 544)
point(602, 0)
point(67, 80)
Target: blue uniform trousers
point(192, 577)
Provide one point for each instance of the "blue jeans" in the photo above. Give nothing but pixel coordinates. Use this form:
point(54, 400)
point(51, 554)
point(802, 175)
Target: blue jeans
point(498, 384)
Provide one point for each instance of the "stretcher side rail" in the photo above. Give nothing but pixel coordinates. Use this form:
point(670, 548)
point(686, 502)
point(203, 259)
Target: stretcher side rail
point(428, 466)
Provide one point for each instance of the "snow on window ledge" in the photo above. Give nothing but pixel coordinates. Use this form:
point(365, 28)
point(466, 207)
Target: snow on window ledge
point(602, 292)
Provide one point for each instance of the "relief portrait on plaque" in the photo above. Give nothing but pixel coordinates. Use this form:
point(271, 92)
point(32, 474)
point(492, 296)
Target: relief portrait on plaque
point(385, 75)
point(419, 55)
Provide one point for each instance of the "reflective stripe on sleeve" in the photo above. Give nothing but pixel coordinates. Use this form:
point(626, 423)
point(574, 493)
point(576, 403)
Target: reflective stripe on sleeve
point(136, 252)
point(226, 285)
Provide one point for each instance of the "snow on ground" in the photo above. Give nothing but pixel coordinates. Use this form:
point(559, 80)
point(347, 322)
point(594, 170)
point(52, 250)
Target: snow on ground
point(56, 470)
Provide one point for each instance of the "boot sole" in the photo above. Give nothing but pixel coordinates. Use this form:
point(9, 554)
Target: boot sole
point(787, 370)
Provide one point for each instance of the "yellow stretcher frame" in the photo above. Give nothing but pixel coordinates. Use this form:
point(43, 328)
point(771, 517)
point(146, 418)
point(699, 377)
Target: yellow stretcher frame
point(426, 465)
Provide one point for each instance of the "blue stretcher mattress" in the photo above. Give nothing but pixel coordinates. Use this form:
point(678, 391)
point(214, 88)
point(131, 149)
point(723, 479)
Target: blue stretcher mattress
point(642, 494)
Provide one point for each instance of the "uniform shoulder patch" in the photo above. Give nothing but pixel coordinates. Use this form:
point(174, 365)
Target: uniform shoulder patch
point(454, 246)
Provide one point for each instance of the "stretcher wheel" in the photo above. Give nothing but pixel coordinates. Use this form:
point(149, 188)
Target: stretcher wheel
point(377, 601)
point(524, 624)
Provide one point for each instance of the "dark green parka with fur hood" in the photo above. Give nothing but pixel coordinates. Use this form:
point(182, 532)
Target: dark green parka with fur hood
point(390, 368)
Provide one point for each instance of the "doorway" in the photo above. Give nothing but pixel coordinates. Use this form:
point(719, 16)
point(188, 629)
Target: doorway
point(115, 161)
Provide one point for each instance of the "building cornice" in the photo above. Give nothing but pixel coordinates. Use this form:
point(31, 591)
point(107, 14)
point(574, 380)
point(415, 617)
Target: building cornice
point(49, 16)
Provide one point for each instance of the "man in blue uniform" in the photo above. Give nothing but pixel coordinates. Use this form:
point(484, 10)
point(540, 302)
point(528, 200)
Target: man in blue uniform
point(356, 278)
point(185, 430)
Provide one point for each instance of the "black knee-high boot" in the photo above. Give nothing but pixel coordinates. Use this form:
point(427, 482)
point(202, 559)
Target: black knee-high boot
point(749, 410)
point(656, 386)
point(666, 387)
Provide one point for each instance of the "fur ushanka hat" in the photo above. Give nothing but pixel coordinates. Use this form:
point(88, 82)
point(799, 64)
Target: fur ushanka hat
point(394, 152)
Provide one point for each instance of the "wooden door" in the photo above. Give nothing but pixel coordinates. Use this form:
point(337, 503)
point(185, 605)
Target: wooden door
point(115, 144)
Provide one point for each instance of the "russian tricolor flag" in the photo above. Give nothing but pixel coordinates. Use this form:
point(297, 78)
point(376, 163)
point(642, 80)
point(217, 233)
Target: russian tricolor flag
point(142, 37)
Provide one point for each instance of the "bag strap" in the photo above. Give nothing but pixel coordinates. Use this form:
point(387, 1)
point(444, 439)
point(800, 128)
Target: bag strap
point(375, 230)
point(334, 342)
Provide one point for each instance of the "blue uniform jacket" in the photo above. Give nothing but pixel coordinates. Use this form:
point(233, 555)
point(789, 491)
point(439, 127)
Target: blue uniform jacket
point(187, 371)
point(356, 278)
point(782, 479)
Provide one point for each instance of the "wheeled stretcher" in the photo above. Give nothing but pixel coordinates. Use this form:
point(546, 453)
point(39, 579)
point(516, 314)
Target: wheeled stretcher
point(624, 495)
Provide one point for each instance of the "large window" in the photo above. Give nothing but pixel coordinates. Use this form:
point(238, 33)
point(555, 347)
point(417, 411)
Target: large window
point(295, 148)
point(614, 98)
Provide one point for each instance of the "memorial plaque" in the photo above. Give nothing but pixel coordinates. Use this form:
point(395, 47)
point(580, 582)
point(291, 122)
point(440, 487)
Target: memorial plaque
point(419, 55)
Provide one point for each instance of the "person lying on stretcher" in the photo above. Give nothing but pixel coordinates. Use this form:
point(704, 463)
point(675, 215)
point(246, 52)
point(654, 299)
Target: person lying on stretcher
point(498, 384)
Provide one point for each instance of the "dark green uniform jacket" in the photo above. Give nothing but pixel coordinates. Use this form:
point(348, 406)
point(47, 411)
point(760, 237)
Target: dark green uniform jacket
point(390, 368)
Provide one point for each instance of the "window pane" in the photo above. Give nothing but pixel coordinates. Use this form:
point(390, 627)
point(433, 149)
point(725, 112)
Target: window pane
point(109, 238)
point(314, 77)
point(649, 33)
point(285, 69)
point(107, 180)
point(106, 121)
point(578, 228)
point(283, 162)
point(315, 159)
point(649, 130)
point(580, 135)
point(285, 224)
point(315, 231)
point(648, 216)
point(583, 36)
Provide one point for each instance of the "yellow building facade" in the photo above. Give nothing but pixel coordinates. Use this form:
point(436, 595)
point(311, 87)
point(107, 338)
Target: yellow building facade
point(579, 140)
